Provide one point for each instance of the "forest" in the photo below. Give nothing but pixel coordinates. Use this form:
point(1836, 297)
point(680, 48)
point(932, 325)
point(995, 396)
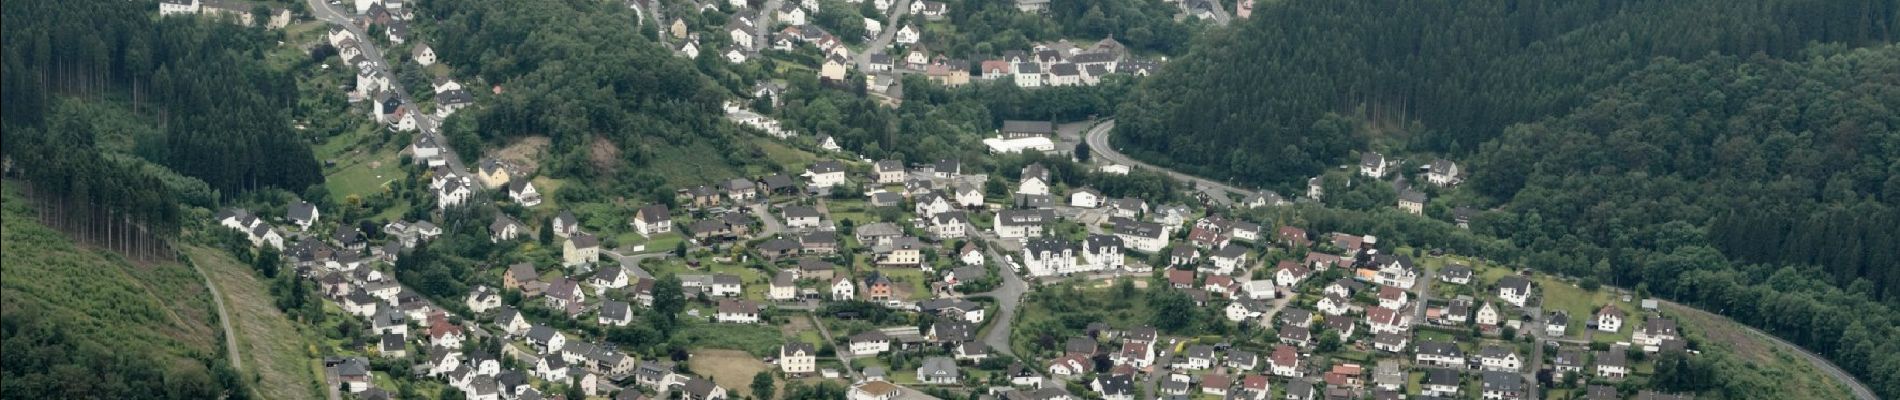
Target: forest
point(578, 72)
point(987, 28)
point(176, 77)
point(1306, 81)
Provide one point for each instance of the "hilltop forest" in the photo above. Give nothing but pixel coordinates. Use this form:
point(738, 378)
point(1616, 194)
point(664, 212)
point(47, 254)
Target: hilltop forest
point(1743, 158)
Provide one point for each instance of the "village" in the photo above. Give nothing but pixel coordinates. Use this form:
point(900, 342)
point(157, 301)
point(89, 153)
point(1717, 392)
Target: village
point(928, 280)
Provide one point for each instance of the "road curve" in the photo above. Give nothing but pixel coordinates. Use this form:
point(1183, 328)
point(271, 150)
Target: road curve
point(1099, 147)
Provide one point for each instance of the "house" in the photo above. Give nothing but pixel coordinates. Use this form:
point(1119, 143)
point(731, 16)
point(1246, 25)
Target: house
point(842, 289)
point(949, 225)
point(1455, 273)
point(1609, 318)
point(929, 204)
point(1441, 382)
point(444, 334)
point(1102, 252)
point(522, 192)
point(1392, 297)
point(906, 35)
point(1500, 358)
point(1655, 331)
point(888, 171)
point(801, 217)
point(797, 358)
point(1386, 320)
point(1115, 386)
point(565, 224)
point(519, 276)
point(505, 228)
point(703, 389)
point(1440, 353)
point(1028, 74)
point(784, 286)
point(1285, 361)
point(1064, 74)
point(1018, 224)
point(1372, 164)
point(303, 214)
point(1047, 257)
point(1228, 259)
point(565, 294)
point(615, 313)
point(1296, 336)
point(973, 351)
point(1183, 255)
point(1145, 237)
point(825, 174)
point(545, 337)
point(953, 308)
point(870, 343)
point(1443, 173)
point(938, 371)
point(738, 312)
point(1070, 366)
point(1412, 201)
point(454, 192)
point(1198, 357)
point(354, 372)
point(877, 287)
point(1289, 273)
point(1032, 6)
point(1388, 376)
point(1514, 289)
point(1390, 342)
point(1334, 305)
point(1555, 323)
point(652, 220)
point(1033, 184)
point(1487, 315)
point(581, 248)
point(903, 251)
point(791, 14)
point(1085, 198)
point(969, 255)
point(833, 70)
point(482, 299)
point(874, 390)
point(1502, 386)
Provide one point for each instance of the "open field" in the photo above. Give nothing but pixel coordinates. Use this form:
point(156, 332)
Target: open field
point(730, 369)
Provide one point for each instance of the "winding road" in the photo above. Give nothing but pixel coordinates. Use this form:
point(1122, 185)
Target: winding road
point(1099, 144)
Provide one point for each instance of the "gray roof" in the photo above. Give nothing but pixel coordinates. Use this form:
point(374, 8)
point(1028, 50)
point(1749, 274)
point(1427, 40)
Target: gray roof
point(1031, 127)
point(1503, 381)
point(938, 367)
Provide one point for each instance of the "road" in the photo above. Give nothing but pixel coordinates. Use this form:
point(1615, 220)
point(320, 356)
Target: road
point(883, 40)
point(322, 10)
point(1009, 297)
point(1099, 147)
point(772, 224)
point(768, 12)
point(1098, 144)
point(844, 355)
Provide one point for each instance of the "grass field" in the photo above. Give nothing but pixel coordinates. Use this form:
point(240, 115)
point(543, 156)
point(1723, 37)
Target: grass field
point(730, 369)
point(779, 153)
point(1582, 306)
point(1791, 374)
point(274, 347)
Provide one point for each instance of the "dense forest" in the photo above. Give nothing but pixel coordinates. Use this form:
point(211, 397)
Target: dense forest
point(987, 28)
point(1262, 103)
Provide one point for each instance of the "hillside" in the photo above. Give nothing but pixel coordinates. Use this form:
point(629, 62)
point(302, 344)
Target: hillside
point(1253, 103)
point(612, 101)
point(84, 323)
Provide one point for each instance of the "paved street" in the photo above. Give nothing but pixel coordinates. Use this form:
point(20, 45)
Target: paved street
point(1099, 147)
point(883, 40)
point(1009, 297)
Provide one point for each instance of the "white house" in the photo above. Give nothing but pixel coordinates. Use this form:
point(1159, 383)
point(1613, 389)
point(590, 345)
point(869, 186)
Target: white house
point(1609, 319)
point(797, 358)
point(824, 174)
point(1372, 164)
point(1085, 198)
point(737, 312)
point(842, 289)
point(1018, 224)
point(906, 35)
point(1514, 289)
point(1047, 256)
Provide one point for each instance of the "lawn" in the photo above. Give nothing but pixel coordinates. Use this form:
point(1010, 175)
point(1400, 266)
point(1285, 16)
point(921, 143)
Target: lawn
point(1582, 306)
point(757, 339)
point(1064, 313)
point(912, 278)
point(779, 153)
point(361, 167)
point(273, 346)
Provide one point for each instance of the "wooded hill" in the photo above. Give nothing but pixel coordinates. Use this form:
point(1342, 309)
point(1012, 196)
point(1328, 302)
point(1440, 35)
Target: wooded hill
point(1251, 103)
